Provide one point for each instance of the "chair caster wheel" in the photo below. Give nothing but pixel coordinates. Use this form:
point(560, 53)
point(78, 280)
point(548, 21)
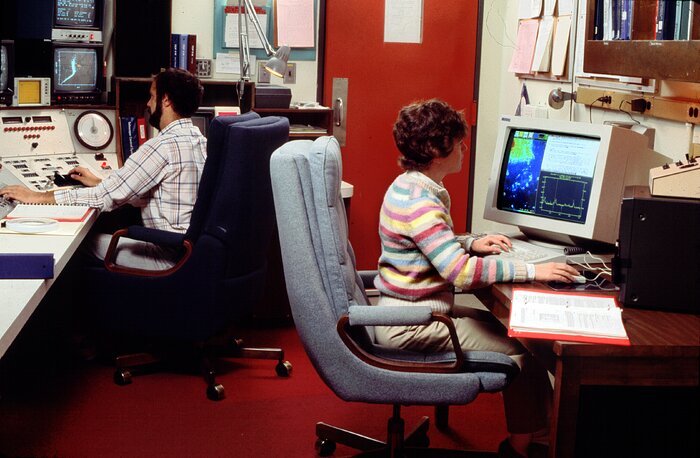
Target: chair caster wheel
point(122, 377)
point(216, 392)
point(283, 368)
point(325, 447)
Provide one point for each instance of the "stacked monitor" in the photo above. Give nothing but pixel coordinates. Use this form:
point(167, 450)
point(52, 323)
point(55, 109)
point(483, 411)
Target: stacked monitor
point(60, 43)
point(562, 182)
point(77, 52)
point(77, 18)
point(77, 73)
point(7, 75)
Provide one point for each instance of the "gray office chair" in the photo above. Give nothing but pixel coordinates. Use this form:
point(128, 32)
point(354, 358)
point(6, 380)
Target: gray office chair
point(335, 324)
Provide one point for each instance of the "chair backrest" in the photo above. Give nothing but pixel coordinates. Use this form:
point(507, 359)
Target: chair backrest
point(231, 252)
point(218, 134)
point(322, 282)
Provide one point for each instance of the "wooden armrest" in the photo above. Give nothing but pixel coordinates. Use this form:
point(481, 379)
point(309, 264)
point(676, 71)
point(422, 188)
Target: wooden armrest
point(405, 366)
point(112, 266)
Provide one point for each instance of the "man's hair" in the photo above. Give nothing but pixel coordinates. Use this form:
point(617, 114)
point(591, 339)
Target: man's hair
point(183, 89)
point(425, 130)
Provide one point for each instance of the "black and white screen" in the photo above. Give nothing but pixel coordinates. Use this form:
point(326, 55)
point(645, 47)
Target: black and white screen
point(75, 13)
point(75, 69)
point(548, 174)
point(4, 68)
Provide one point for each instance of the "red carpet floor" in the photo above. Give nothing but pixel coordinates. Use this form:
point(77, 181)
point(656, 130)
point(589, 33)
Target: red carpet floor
point(56, 405)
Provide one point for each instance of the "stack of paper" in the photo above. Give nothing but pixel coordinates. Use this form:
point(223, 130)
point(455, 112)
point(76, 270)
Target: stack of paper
point(565, 316)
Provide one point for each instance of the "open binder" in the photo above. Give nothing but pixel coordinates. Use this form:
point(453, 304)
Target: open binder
point(577, 317)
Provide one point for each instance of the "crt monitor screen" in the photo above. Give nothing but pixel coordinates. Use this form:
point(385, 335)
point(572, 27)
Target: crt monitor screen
point(76, 13)
point(562, 181)
point(548, 174)
point(4, 68)
point(75, 69)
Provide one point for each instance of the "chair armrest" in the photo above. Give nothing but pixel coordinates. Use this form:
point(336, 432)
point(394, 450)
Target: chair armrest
point(144, 234)
point(419, 318)
point(389, 315)
point(367, 277)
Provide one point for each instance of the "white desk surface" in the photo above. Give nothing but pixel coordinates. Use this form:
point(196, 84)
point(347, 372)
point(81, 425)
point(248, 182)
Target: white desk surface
point(19, 298)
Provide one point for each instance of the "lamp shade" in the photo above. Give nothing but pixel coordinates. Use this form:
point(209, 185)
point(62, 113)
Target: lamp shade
point(277, 65)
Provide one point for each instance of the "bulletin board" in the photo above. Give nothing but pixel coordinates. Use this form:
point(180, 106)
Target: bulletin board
point(220, 46)
point(544, 47)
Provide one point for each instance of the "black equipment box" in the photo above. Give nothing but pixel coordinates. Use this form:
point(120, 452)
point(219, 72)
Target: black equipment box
point(272, 96)
point(657, 264)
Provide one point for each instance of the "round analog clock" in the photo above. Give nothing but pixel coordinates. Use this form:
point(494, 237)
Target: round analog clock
point(93, 130)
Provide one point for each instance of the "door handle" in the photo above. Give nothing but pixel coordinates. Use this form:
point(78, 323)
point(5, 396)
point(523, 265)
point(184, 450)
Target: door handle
point(338, 111)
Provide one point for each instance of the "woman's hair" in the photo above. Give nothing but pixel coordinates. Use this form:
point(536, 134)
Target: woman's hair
point(426, 130)
point(183, 88)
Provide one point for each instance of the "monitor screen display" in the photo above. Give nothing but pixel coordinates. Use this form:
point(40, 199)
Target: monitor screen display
point(548, 174)
point(75, 13)
point(75, 69)
point(4, 68)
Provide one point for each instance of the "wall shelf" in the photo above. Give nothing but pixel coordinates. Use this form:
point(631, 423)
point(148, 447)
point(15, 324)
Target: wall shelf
point(642, 56)
point(305, 123)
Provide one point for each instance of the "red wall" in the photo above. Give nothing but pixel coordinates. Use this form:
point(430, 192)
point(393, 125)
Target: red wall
point(383, 77)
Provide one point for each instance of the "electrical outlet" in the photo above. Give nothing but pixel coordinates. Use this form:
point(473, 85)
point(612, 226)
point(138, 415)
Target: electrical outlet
point(263, 74)
point(204, 68)
point(290, 77)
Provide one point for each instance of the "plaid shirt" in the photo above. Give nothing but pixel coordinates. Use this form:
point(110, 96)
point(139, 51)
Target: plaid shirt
point(161, 177)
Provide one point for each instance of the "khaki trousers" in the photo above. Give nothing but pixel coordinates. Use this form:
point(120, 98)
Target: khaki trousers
point(526, 400)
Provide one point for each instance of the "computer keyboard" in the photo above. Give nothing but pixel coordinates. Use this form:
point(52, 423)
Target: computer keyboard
point(531, 253)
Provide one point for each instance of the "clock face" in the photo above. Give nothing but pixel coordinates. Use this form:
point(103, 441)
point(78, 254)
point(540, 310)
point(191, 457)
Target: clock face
point(93, 130)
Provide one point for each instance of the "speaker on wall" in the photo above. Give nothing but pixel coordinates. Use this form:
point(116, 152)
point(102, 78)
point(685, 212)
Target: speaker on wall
point(141, 36)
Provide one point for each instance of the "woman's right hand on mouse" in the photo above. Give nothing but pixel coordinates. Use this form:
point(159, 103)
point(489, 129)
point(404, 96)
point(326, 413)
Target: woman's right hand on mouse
point(555, 271)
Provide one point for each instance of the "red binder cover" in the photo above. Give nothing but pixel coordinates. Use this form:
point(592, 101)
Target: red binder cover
point(574, 317)
point(63, 213)
point(141, 130)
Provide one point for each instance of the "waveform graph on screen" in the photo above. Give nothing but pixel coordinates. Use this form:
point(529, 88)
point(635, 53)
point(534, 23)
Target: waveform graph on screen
point(564, 197)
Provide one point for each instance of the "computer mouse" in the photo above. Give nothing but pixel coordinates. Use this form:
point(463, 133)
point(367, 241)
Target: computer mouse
point(580, 279)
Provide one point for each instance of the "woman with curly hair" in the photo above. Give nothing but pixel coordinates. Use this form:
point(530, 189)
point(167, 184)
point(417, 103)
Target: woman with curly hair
point(422, 260)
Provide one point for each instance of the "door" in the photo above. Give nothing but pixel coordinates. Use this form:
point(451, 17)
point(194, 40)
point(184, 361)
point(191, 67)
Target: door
point(382, 78)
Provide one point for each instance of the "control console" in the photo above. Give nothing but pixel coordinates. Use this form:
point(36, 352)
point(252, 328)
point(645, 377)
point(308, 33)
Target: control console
point(42, 143)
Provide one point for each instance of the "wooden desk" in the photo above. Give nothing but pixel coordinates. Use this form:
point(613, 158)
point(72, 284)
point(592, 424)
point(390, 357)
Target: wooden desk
point(664, 352)
point(19, 298)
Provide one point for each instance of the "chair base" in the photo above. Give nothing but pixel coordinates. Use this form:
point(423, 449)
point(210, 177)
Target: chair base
point(414, 443)
point(204, 354)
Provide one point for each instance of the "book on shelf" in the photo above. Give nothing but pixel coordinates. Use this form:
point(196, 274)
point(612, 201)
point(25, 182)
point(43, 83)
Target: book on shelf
point(183, 51)
point(142, 133)
point(575, 317)
point(130, 138)
point(63, 213)
point(192, 54)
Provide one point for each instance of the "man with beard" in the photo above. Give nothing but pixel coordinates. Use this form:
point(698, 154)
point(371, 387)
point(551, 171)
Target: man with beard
point(161, 177)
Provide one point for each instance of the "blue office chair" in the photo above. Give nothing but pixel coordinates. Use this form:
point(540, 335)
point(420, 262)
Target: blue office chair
point(335, 324)
point(221, 273)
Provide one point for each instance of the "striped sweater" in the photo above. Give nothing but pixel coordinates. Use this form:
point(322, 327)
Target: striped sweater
point(421, 256)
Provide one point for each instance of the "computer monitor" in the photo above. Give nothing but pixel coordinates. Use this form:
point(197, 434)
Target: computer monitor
point(6, 71)
point(77, 20)
point(78, 76)
point(562, 182)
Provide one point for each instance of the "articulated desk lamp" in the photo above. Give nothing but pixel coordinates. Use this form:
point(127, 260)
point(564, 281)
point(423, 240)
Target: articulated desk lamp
point(277, 65)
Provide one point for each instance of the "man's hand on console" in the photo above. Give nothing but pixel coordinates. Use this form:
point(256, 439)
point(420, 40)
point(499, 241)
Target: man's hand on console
point(85, 176)
point(27, 196)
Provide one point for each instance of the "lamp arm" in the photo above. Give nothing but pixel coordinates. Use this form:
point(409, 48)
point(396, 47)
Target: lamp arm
point(252, 15)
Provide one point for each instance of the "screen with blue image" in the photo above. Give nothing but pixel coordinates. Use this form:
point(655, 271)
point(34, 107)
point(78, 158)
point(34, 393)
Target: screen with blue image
point(548, 174)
